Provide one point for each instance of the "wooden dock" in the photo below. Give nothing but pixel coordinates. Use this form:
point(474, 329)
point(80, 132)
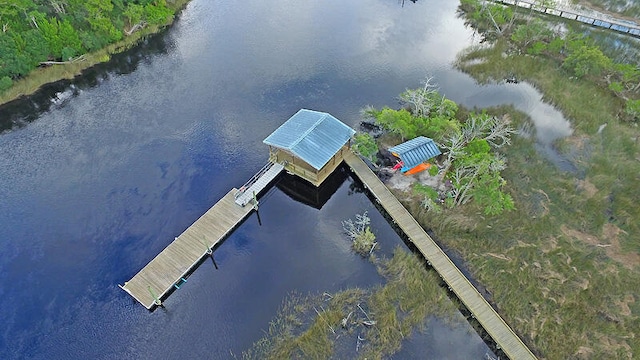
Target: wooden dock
point(597, 20)
point(495, 326)
point(168, 269)
point(257, 183)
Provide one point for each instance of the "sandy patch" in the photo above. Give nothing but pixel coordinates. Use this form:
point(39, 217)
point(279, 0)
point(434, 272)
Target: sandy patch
point(589, 189)
point(399, 181)
point(624, 304)
point(402, 182)
point(608, 241)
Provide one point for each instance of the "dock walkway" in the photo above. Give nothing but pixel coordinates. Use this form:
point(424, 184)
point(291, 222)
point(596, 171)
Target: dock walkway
point(592, 17)
point(167, 270)
point(495, 326)
point(258, 182)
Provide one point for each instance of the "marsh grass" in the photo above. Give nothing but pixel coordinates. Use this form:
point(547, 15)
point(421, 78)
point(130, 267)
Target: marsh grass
point(554, 270)
point(410, 295)
point(587, 105)
point(332, 325)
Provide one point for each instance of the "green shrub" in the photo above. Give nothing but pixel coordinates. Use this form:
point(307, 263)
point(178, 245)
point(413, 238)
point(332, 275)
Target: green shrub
point(632, 108)
point(5, 83)
point(366, 145)
point(425, 190)
point(477, 146)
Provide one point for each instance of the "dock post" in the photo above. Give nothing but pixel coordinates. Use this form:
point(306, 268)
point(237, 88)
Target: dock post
point(255, 201)
point(155, 297)
point(258, 215)
point(209, 250)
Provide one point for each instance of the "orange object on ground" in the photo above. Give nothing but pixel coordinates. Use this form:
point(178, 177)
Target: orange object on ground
point(418, 168)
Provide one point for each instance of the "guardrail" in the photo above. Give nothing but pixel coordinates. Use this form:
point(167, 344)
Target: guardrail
point(621, 26)
point(253, 179)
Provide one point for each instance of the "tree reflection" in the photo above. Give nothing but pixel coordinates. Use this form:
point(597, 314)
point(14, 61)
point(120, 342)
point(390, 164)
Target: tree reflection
point(20, 112)
point(413, 1)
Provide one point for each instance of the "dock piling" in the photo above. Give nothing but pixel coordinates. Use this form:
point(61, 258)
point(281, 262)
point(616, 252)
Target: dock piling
point(155, 297)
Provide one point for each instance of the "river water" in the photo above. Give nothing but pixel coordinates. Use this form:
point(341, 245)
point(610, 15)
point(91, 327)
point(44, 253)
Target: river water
point(97, 176)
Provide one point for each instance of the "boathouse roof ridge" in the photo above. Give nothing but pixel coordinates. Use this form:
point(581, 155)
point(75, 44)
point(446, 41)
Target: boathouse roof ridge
point(313, 136)
point(416, 151)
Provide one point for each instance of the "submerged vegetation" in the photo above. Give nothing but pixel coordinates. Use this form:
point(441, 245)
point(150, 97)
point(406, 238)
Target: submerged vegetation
point(363, 241)
point(358, 323)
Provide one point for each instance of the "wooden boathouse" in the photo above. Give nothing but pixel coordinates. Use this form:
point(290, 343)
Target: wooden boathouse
point(311, 145)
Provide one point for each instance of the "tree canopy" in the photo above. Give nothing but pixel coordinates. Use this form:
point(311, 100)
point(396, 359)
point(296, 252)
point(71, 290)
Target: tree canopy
point(37, 31)
point(468, 162)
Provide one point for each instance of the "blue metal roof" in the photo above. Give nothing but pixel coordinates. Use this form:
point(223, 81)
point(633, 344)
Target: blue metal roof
point(416, 151)
point(312, 136)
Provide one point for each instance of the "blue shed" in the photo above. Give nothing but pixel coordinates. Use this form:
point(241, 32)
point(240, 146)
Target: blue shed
point(310, 144)
point(415, 152)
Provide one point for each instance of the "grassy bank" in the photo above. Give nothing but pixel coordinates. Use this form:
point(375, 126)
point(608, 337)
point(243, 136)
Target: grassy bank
point(586, 105)
point(44, 75)
point(563, 267)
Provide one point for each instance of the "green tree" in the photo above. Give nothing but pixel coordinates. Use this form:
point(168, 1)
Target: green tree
point(98, 12)
point(477, 146)
point(526, 34)
point(366, 146)
point(489, 195)
point(397, 121)
point(632, 108)
point(5, 83)
point(134, 13)
point(587, 60)
point(157, 13)
point(21, 52)
point(70, 40)
point(437, 127)
point(50, 32)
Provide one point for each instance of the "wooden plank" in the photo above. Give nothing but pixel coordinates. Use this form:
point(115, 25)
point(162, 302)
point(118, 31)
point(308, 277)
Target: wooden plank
point(181, 255)
point(495, 326)
point(261, 182)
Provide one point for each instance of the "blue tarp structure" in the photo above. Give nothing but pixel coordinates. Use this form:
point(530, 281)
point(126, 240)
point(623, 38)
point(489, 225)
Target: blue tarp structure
point(312, 136)
point(415, 151)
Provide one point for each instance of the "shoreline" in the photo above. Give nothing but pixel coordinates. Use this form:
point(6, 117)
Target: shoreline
point(42, 76)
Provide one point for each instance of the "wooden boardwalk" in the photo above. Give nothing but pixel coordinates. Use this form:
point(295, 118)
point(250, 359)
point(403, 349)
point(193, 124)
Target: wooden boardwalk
point(167, 269)
point(595, 19)
point(495, 326)
point(258, 182)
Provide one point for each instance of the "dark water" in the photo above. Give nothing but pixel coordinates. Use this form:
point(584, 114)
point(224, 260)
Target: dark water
point(98, 176)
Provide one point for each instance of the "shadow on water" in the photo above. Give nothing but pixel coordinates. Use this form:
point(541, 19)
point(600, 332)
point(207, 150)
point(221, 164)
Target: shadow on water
point(26, 109)
point(308, 194)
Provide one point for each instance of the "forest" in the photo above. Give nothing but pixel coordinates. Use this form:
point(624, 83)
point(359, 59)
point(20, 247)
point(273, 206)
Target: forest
point(41, 32)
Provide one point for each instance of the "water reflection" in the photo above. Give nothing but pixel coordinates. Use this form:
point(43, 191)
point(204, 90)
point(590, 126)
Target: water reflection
point(103, 181)
point(308, 194)
point(20, 112)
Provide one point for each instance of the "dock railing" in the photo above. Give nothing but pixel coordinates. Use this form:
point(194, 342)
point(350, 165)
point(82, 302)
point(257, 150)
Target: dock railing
point(253, 179)
point(595, 19)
